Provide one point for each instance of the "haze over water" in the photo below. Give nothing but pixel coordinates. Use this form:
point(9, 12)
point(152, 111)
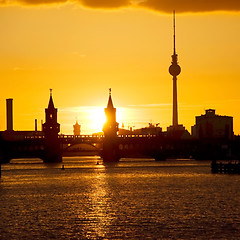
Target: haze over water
point(132, 199)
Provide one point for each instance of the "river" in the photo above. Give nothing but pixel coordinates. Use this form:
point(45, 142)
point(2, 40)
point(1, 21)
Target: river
point(132, 199)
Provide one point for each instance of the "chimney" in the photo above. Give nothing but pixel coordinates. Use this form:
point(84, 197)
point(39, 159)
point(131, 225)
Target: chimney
point(9, 102)
point(35, 125)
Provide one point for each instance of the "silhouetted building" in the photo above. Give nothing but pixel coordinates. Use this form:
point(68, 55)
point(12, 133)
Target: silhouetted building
point(10, 134)
point(9, 103)
point(123, 131)
point(76, 129)
point(150, 130)
point(51, 128)
point(214, 126)
point(178, 132)
point(110, 129)
point(19, 135)
point(111, 126)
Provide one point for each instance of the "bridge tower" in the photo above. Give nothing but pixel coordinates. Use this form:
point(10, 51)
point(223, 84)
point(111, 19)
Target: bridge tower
point(51, 128)
point(76, 129)
point(110, 129)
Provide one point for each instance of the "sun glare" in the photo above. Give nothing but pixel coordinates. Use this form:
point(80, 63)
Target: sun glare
point(97, 118)
point(92, 118)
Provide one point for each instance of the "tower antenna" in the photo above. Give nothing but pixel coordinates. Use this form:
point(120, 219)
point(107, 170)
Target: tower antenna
point(174, 35)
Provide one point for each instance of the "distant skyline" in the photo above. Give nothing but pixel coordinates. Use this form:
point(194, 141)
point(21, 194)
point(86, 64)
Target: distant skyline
point(81, 48)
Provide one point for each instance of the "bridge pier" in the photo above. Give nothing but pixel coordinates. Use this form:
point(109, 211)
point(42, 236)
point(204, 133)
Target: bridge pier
point(5, 152)
point(52, 158)
point(52, 150)
point(110, 151)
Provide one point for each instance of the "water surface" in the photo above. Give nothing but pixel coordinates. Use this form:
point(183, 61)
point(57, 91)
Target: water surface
point(132, 199)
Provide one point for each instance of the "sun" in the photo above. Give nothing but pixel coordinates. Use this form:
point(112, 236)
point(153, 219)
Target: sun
point(92, 118)
point(96, 118)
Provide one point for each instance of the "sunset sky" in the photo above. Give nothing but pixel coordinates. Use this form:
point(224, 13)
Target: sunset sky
point(82, 48)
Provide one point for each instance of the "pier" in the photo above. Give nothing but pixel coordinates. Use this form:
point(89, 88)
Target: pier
point(229, 168)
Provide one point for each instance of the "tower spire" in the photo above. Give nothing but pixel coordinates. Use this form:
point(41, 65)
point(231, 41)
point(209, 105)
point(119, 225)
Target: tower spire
point(50, 104)
point(110, 102)
point(174, 35)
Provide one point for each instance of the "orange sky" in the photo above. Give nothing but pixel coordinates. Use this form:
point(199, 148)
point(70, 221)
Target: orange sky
point(81, 52)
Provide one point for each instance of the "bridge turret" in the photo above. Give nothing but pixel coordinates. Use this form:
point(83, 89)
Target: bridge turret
point(76, 129)
point(110, 129)
point(111, 126)
point(51, 128)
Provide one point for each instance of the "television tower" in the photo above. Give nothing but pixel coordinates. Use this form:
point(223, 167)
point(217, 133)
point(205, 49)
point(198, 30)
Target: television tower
point(174, 70)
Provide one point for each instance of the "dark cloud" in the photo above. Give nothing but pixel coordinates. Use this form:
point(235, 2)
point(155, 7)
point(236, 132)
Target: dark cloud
point(40, 2)
point(166, 6)
point(105, 3)
point(191, 5)
point(101, 4)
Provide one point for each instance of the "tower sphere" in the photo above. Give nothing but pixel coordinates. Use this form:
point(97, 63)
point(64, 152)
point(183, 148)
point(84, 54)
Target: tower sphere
point(174, 69)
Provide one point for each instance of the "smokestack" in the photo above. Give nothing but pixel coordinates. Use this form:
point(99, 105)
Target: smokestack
point(35, 125)
point(41, 125)
point(9, 102)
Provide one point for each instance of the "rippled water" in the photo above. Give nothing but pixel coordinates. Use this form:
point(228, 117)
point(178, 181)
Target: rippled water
point(133, 199)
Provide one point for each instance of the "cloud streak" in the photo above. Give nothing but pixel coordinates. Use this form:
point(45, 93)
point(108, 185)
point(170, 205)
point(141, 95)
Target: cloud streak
point(32, 2)
point(165, 6)
point(191, 5)
point(106, 4)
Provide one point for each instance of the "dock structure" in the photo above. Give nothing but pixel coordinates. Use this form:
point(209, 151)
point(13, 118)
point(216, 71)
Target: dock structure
point(229, 168)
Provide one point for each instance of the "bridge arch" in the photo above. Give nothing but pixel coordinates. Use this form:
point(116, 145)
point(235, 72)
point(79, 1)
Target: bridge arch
point(75, 144)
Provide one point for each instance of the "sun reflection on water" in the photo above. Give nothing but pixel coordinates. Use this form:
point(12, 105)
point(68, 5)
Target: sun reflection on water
point(100, 200)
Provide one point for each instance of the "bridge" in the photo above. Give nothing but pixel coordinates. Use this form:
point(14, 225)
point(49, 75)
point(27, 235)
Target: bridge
point(50, 146)
point(159, 147)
